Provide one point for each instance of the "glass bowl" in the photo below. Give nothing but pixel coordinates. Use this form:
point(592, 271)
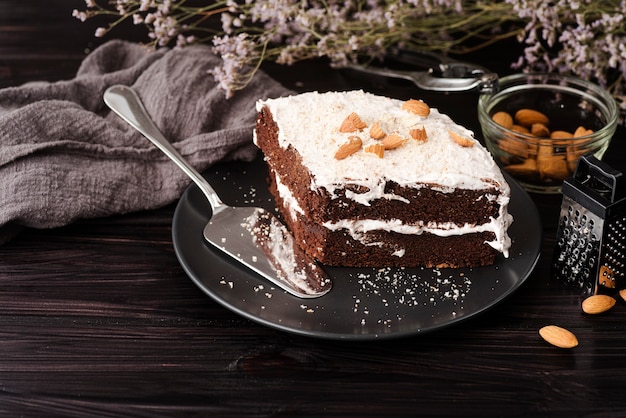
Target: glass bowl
point(575, 117)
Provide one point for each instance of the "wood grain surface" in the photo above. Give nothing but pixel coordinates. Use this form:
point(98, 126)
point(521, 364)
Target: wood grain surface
point(99, 319)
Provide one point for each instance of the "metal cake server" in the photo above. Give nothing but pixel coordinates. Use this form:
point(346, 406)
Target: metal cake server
point(251, 235)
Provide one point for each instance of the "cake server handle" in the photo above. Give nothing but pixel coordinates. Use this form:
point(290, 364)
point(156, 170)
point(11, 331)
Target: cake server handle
point(125, 102)
point(252, 236)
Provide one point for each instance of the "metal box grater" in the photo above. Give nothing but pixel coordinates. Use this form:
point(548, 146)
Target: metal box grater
point(590, 249)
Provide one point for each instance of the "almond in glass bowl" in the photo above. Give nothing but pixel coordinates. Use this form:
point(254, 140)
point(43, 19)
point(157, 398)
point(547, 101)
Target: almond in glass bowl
point(538, 125)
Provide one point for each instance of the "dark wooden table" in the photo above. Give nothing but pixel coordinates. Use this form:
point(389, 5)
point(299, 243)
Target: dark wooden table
point(99, 319)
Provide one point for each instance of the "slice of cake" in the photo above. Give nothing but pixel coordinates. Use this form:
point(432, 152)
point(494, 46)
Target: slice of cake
point(365, 180)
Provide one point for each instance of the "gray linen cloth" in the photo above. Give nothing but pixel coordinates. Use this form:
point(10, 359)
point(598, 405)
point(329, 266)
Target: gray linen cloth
point(65, 156)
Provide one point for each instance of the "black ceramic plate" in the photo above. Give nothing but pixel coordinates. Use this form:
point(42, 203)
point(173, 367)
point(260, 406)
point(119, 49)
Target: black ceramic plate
point(364, 303)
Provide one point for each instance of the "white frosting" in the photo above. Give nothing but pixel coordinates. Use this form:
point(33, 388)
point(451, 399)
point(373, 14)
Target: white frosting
point(358, 229)
point(289, 200)
point(310, 122)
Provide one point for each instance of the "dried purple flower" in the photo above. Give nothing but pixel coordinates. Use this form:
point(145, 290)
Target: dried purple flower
point(583, 37)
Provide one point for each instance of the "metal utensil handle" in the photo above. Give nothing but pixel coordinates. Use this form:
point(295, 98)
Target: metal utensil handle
point(425, 80)
point(125, 102)
point(442, 73)
point(600, 178)
point(482, 83)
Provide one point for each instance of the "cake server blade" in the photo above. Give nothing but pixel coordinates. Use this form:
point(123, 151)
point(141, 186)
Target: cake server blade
point(252, 236)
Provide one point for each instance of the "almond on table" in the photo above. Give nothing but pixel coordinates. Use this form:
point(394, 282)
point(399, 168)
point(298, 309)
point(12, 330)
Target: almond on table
point(597, 304)
point(558, 336)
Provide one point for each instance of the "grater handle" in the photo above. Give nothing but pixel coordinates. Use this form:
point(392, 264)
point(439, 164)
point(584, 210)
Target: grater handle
point(600, 177)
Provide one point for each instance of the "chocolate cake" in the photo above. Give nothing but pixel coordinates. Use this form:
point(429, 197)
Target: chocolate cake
point(365, 180)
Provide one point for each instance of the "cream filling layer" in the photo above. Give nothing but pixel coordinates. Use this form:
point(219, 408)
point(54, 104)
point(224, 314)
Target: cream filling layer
point(358, 229)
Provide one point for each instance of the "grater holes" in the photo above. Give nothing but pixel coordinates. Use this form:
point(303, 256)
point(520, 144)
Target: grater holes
point(591, 241)
point(592, 261)
point(576, 243)
point(615, 247)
